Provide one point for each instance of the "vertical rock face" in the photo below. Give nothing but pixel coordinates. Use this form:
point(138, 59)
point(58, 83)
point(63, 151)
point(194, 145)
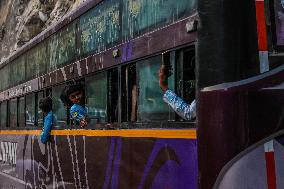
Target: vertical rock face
point(21, 20)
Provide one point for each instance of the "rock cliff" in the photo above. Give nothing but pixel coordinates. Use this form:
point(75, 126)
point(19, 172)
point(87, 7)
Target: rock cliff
point(21, 20)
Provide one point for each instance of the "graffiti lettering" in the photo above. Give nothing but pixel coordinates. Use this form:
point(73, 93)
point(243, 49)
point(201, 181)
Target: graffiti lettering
point(8, 152)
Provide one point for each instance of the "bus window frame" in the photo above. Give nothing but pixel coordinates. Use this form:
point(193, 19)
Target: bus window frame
point(34, 122)
point(18, 111)
point(124, 91)
point(37, 108)
point(177, 123)
point(272, 27)
point(6, 126)
point(9, 120)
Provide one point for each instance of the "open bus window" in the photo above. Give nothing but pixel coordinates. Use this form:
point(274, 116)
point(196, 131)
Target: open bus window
point(38, 110)
point(3, 118)
point(21, 112)
point(151, 106)
point(113, 90)
point(186, 74)
point(96, 94)
point(30, 110)
point(186, 81)
point(13, 112)
point(58, 108)
point(128, 94)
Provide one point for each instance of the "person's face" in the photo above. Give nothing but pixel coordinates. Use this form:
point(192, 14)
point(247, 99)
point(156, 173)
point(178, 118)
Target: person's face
point(76, 97)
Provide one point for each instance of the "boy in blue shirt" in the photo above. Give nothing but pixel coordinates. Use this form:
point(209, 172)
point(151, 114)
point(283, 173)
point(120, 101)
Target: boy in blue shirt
point(45, 105)
point(75, 98)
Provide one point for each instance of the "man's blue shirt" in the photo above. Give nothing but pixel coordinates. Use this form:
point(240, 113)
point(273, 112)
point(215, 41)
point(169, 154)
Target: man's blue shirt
point(186, 111)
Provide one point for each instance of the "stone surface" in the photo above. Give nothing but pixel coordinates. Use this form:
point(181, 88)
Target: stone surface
point(21, 20)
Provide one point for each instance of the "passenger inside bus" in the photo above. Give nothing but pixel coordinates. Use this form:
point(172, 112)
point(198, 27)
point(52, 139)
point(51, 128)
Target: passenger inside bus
point(75, 96)
point(186, 111)
point(45, 105)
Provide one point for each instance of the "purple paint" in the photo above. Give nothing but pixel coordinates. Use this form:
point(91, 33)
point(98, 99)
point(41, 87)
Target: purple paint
point(109, 165)
point(129, 52)
point(116, 164)
point(186, 151)
point(168, 177)
point(124, 48)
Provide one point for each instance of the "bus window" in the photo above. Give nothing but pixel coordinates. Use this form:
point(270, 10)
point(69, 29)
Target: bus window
point(21, 112)
point(17, 71)
point(4, 72)
point(186, 75)
point(128, 94)
point(4, 114)
point(35, 68)
point(13, 112)
point(39, 112)
point(96, 94)
point(113, 90)
point(59, 110)
point(151, 106)
point(30, 110)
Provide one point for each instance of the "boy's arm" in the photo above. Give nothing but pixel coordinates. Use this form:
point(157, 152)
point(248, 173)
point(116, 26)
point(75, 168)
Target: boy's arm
point(46, 129)
point(183, 109)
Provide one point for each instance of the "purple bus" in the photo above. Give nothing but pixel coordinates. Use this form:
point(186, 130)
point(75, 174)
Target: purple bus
point(229, 59)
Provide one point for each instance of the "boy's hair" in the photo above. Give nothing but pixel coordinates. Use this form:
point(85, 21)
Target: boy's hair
point(73, 88)
point(45, 104)
point(69, 89)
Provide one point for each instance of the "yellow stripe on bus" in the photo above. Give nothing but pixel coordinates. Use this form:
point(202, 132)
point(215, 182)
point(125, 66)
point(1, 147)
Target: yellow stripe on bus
point(151, 133)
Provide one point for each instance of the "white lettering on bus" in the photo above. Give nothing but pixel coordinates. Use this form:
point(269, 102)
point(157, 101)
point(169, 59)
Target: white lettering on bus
point(8, 152)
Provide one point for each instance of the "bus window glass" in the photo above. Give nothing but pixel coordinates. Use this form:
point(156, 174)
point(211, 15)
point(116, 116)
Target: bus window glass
point(4, 77)
point(66, 41)
point(100, 28)
point(21, 112)
point(59, 110)
point(96, 94)
point(30, 110)
point(52, 51)
point(17, 71)
point(151, 106)
point(39, 112)
point(13, 113)
point(139, 16)
point(36, 61)
point(3, 118)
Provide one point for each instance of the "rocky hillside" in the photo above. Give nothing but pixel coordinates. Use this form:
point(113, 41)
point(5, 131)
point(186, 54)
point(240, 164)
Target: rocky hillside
point(21, 20)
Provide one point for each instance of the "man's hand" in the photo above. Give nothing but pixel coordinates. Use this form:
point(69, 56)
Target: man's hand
point(83, 122)
point(163, 80)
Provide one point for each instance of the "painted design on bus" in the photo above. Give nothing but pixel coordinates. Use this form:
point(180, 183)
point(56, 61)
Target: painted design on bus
point(8, 153)
point(103, 162)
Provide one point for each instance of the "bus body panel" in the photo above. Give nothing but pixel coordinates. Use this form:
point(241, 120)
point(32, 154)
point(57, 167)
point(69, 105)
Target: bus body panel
point(98, 162)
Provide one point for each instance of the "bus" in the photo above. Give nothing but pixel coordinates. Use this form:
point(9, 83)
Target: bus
point(228, 59)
